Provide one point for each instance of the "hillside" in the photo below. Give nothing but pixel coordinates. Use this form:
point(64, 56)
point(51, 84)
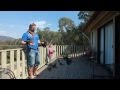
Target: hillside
point(5, 38)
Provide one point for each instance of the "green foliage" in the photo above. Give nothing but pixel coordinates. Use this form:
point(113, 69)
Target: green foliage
point(85, 15)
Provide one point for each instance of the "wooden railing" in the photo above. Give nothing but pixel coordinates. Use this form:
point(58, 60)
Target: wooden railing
point(15, 59)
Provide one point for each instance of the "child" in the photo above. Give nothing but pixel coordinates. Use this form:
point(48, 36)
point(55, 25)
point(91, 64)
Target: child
point(50, 52)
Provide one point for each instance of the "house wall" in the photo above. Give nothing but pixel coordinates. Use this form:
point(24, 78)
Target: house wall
point(103, 18)
point(101, 21)
point(94, 40)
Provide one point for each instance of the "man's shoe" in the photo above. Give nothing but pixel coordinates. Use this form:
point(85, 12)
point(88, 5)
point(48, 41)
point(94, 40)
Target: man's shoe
point(30, 73)
point(35, 72)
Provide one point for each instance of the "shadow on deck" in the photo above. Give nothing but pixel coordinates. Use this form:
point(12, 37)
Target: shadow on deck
point(79, 68)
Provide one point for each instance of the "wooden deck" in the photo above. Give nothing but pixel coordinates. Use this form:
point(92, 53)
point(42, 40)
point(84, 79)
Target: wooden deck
point(78, 69)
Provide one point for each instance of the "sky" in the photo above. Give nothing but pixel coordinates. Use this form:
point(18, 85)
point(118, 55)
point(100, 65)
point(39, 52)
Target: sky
point(15, 23)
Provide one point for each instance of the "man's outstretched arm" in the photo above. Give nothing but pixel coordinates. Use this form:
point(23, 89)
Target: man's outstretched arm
point(23, 42)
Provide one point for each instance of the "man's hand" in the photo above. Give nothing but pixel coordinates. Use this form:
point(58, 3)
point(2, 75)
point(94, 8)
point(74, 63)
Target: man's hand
point(24, 43)
point(28, 43)
point(31, 43)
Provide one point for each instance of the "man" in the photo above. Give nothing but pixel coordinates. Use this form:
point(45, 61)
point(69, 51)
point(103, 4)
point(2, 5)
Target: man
point(31, 40)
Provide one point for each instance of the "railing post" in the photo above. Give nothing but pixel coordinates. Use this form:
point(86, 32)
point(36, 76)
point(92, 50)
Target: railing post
point(12, 64)
point(63, 49)
point(78, 51)
point(74, 50)
point(55, 51)
point(82, 50)
point(23, 65)
point(3, 59)
point(44, 55)
point(58, 50)
point(40, 56)
point(18, 63)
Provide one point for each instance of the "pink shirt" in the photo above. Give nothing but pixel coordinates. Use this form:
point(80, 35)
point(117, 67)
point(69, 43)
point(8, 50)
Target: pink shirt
point(50, 52)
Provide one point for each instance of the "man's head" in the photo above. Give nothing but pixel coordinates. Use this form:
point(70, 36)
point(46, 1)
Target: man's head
point(32, 27)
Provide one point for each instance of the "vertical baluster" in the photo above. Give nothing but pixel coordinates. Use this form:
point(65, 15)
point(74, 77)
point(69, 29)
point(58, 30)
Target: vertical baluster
point(74, 50)
point(77, 51)
point(59, 50)
point(63, 50)
point(40, 56)
point(12, 64)
point(3, 59)
point(68, 49)
point(56, 50)
point(23, 65)
point(44, 55)
point(71, 51)
point(18, 64)
point(82, 50)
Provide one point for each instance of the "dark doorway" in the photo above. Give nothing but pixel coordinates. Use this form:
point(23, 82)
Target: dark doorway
point(117, 45)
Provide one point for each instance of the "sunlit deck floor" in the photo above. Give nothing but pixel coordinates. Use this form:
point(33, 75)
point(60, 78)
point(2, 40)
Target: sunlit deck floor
point(78, 69)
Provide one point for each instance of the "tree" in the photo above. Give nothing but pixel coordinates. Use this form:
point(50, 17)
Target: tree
point(84, 15)
point(66, 27)
point(49, 35)
point(65, 24)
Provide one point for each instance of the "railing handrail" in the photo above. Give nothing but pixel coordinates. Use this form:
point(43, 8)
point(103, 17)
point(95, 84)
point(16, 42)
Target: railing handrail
point(11, 49)
point(74, 50)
